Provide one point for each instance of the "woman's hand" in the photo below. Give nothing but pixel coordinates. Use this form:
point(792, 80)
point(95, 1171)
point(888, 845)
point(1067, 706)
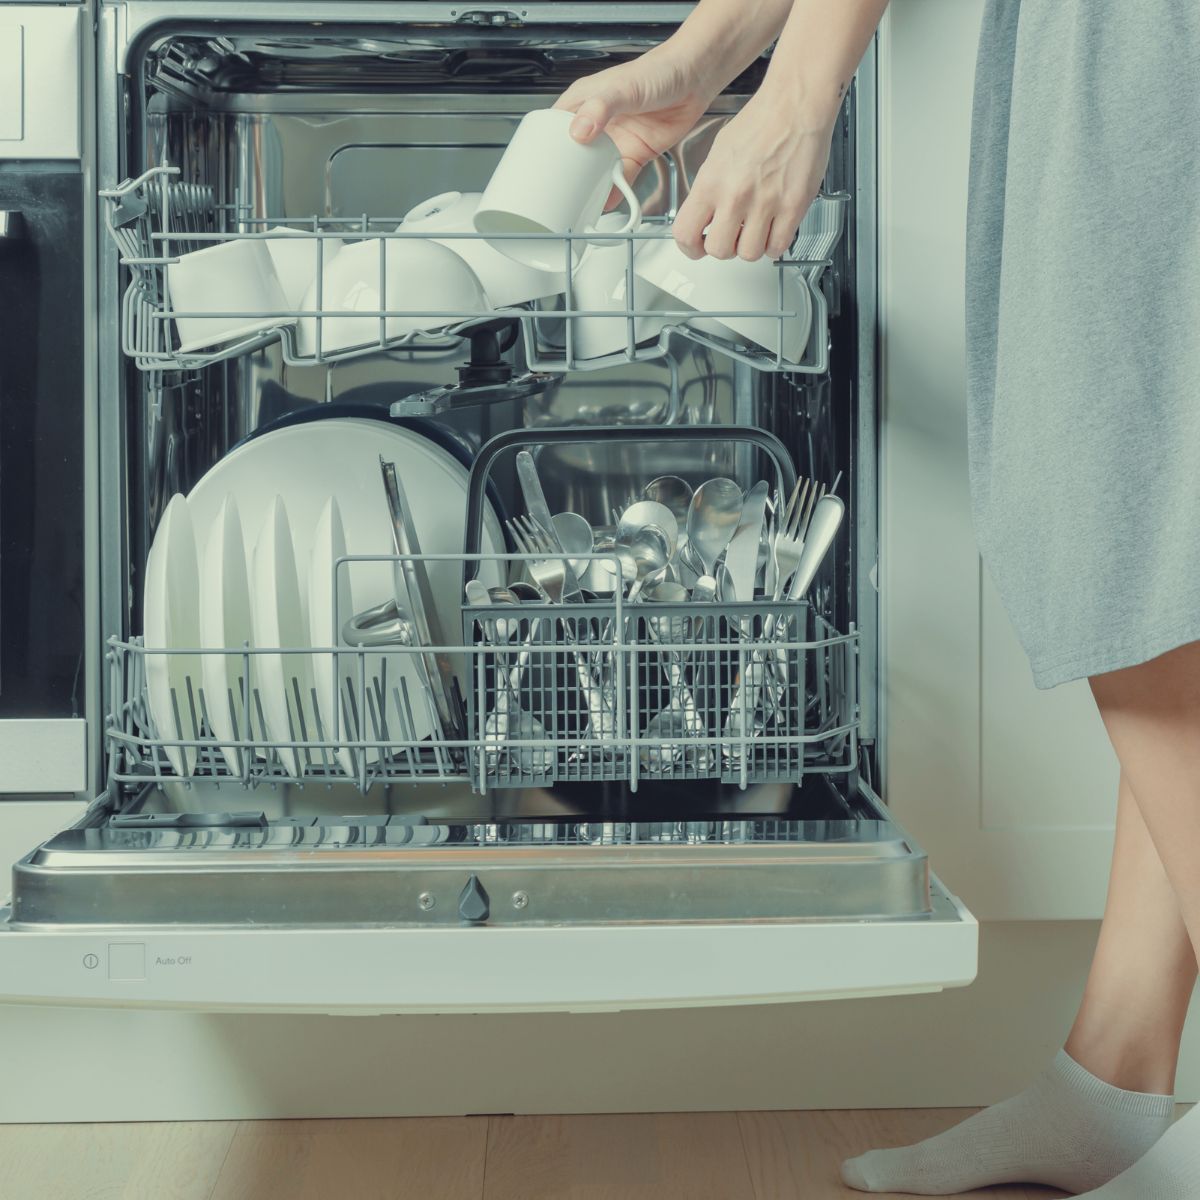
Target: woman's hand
point(645, 106)
point(762, 174)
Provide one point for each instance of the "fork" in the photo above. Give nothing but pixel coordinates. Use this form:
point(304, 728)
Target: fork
point(793, 528)
point(554, 579)
point(786, 550)
point(552, 574)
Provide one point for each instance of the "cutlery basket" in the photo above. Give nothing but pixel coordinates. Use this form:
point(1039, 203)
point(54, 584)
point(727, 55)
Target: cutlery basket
point(653, 691)
point(755, 692)
point(155, 220)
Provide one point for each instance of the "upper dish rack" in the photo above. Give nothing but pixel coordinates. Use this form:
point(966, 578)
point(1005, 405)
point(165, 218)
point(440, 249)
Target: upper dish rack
point(156, 221)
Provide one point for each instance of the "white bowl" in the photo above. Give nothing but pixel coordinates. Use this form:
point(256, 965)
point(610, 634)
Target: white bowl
point(294, 254)
point(505, 280)
point(237, 275)
point(726, 285)
point(418, 276)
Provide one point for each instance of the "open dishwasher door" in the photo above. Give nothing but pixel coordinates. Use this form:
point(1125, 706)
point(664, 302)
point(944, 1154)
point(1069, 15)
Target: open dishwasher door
point(397, 917)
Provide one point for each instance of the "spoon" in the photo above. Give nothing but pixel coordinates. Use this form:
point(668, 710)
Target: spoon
point(648, 514)
point(672, 492)
point(576, 538)
point(600, 576)
point(713, 517)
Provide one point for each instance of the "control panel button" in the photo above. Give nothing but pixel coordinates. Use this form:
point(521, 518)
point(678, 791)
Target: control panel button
point(127, 962)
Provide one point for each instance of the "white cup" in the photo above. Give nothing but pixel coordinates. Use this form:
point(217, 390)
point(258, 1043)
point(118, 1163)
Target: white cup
point(294, 255)
point(547, 182)
point(714, 285)
point(505, 281)
point(601, 281)
point(417, 275)
point(236, 275)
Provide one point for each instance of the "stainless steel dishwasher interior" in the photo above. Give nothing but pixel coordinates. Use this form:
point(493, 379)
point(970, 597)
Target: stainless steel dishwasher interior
point(289, 122)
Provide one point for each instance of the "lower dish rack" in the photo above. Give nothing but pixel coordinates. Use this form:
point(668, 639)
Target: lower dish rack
point(611, 691)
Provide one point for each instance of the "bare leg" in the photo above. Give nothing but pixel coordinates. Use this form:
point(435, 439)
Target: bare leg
point(1131, 1019)
point(1152, 713)
point(1092, 1114)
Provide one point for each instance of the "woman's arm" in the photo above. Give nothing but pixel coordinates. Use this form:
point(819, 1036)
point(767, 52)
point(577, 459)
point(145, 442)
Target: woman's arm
point(647, 105)
point(767, 163)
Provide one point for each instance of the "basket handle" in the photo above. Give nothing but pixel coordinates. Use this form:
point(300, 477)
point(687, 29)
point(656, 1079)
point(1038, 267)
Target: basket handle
point(529, 438)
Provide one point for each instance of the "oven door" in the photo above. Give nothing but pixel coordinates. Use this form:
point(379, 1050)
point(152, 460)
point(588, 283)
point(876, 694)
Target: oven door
point(44, 396)
point(396, 917)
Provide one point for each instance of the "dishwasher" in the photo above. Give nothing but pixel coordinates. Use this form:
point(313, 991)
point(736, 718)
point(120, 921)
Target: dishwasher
point(493, 814)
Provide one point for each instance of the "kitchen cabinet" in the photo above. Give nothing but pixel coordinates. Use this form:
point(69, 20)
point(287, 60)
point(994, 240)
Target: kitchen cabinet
point(1012, 790)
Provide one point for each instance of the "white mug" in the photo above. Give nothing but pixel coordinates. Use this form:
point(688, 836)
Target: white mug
point(547, 182)
point(732, 285)
point(505, 280)
point(237, 276)
point(601, 282)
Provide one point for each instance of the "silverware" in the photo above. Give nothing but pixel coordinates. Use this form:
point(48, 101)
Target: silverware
point(649, 514)
point(412, 577)
point(549, 576)
point(576, 538)
point(509, 721)
point(673, 492)
point(741, 556)
point(761, 683)
point(790, 539)
point(713, 517)
point(535, 498)
point(819, 535)
point(678, 723)
point(386, 624)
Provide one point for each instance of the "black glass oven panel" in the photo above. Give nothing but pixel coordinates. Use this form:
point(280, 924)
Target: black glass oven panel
point(41, 442)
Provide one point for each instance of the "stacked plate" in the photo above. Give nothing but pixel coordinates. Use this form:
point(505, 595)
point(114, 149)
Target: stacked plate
point(247, 592)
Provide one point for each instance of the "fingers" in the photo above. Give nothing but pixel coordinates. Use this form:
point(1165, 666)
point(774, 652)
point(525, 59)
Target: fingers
point(595, 101)
point(690, 223)
point(736, 224)
point(592, 116)
point(784, 226)
point(752, 241)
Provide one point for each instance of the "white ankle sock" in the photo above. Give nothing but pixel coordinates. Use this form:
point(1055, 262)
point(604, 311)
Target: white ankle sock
point(1169, 1170)
point(1069, 1130)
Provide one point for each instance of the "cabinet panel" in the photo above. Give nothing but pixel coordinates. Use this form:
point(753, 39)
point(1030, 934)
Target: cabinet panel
point(25, 824)
point(1046, 761)
point(1010, 792)
point(39, 81)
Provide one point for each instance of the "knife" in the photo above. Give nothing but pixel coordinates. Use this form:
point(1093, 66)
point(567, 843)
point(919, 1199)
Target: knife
point(741, 557)
point(539, 510)
point(438, 669)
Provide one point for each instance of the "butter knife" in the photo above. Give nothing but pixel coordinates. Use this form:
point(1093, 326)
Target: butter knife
point(741, 558)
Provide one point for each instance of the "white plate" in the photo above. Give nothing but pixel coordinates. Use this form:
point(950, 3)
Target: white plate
point(284, 681)
point(226, 624)
point(171, 612)
point(307, 464)
point(326, 614)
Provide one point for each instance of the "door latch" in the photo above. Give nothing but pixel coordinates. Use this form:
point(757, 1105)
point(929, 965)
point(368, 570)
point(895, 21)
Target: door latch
point(503, 18)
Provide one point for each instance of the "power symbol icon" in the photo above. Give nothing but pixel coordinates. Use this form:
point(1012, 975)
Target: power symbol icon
point(91, 961)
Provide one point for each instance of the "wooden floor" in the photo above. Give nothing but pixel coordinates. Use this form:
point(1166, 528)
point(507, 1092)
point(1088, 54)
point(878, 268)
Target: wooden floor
point(679, 1156)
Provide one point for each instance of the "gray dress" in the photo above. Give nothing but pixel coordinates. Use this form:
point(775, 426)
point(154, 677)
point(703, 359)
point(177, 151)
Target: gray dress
point(1083, 326)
